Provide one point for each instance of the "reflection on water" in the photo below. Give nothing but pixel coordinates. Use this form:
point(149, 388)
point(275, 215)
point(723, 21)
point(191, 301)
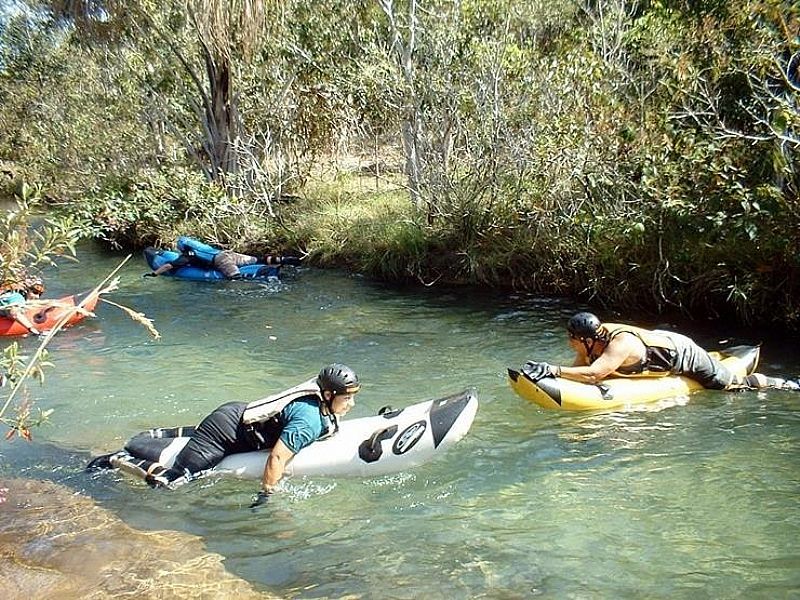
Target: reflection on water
point(680, 497)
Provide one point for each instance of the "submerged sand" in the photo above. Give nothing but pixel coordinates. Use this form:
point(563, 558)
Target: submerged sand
point(56, 544)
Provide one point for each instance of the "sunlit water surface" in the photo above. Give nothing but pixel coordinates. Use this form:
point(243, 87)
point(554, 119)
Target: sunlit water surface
point(696, 499)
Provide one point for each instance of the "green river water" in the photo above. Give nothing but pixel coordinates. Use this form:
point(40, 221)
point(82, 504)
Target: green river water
point(695, 499)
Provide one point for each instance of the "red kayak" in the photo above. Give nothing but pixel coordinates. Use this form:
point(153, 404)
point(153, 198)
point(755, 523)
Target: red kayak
point(45, 317)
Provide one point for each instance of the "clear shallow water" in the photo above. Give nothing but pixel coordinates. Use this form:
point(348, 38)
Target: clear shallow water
point(692, 500)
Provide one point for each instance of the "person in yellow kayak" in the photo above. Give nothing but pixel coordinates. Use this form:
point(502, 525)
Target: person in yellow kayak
point(608, 349)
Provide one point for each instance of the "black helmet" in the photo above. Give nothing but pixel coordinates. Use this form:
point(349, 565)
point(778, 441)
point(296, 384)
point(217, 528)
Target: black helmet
point(583, 325)
point(339, 379)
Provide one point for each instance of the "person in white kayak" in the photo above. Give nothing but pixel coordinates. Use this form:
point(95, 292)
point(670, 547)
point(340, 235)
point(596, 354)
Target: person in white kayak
point(309, 414)
point(615, 350)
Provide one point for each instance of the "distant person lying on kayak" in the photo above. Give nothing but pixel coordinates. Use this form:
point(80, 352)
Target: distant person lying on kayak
point(14, 297)
point(613, 350)
point(227, 262)
point(309, 413)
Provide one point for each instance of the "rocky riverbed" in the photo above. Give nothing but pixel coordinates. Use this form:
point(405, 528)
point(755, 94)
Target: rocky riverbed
point(57, 544)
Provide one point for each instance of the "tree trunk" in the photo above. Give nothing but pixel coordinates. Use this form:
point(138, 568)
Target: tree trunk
point(221, 122)
point(411, 127)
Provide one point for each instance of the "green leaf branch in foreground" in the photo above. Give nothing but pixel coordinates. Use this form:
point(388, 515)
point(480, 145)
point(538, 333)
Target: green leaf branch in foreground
point(18, 369)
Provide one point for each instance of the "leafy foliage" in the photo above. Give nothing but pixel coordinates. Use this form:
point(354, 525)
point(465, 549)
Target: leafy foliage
point(26, 248)
point(638, 154)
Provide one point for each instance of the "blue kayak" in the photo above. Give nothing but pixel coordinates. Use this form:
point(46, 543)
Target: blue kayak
point(155, 258)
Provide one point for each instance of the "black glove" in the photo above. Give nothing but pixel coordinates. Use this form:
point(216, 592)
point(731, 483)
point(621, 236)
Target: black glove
point(290, 260)
point(539, 370)
point(150, 275)
point(260, 499)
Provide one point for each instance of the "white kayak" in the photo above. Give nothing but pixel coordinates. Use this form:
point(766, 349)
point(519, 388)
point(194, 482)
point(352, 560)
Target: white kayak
point(392, 441)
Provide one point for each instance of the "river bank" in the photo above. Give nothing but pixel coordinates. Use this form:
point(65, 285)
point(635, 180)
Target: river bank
point(55, 543)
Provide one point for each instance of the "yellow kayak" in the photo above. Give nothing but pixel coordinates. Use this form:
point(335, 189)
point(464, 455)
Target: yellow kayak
point(557, 393)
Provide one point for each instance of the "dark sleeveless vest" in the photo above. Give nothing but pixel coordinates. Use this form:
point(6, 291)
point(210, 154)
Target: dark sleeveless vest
point(660, 352)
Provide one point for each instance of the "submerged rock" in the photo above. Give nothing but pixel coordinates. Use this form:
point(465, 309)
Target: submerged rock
point(56, 544)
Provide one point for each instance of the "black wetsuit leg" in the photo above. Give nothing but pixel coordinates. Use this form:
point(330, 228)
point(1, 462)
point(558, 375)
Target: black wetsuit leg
point(219, 434)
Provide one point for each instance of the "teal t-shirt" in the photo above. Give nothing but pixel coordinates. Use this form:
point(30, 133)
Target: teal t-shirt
point(11, 299)
point(302, 423)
